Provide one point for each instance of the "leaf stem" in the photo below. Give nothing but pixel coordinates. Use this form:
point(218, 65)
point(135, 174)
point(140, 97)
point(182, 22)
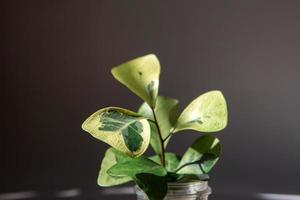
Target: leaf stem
point(169, 135)
point(186, 164)
point(162, 156)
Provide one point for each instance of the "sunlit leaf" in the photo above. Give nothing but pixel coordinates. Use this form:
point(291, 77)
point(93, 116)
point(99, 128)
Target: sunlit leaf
point(134, 166)
point(201, 157)
point(207, 113)
point(141, 76)
point(166, 111)
point(122, 129)
point(111, 157)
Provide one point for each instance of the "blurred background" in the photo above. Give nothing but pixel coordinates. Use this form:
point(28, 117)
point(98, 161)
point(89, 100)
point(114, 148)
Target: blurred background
point(56, 58)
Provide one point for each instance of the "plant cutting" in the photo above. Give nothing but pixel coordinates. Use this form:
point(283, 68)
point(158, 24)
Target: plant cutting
point(157, 121)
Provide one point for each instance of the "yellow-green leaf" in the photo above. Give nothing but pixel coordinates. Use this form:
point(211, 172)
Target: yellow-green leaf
point(122, 129)
point(132, 167)
point(201, 157)
point(147, 174)
point(110, 159)
point(172, 161)
point(141, 76)
point(155, 140)
point(207, 113)
point(166, 111)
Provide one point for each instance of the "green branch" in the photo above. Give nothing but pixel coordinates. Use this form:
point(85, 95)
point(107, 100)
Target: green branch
point(162, 156)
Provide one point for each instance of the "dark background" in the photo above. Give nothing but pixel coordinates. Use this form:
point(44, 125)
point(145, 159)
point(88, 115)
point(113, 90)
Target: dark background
point(55, 71)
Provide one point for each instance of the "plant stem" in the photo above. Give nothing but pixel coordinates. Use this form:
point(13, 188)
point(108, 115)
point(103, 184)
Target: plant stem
point(166, 138)
point(162, 156)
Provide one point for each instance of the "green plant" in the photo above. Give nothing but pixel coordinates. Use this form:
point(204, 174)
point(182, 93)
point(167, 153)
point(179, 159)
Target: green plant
point(157, 120)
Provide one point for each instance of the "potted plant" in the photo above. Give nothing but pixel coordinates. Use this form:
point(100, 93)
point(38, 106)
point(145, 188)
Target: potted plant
point(164, 175)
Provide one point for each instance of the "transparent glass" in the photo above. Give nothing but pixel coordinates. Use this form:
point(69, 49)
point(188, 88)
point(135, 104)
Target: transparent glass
point(193, 190)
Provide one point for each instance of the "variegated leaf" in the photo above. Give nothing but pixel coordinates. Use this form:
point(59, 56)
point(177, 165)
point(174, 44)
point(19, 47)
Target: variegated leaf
point(122, 129)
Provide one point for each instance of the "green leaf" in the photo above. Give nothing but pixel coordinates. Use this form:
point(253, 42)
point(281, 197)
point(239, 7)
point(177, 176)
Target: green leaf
point(172, 161)
point(141, 76)
point(131, 167)
point(207, 113)
point(149, 175)
point(166, 111)
point(154, 140)
point(155, 187)
point(201, 157)
point(111, 157)
point(174, 177)
point(122, 129)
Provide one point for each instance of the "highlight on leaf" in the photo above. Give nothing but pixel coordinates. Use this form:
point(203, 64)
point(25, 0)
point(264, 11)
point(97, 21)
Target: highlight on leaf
point(141, 76)
point(120, 128)
point(207, 113)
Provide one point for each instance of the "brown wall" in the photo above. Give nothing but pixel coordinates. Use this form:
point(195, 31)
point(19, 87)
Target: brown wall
point(55, 71)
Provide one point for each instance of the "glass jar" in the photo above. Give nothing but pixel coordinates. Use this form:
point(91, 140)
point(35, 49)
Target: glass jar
point(193, 190)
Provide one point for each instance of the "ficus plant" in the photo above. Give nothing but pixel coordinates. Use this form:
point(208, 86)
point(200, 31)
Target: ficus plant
point(129, 133)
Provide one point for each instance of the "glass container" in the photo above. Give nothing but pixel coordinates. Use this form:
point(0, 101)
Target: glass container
point(192, 190)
